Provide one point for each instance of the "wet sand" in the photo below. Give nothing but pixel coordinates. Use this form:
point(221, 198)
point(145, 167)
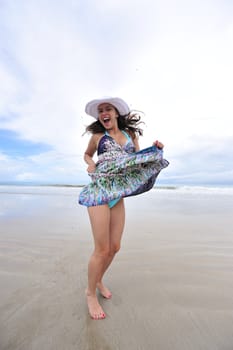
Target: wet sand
point(172, 281)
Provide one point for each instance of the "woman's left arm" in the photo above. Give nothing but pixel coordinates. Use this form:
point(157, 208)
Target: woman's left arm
point(136, 144)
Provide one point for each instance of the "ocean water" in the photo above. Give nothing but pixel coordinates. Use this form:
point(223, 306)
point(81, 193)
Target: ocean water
point(16, 201)
point(68, 190)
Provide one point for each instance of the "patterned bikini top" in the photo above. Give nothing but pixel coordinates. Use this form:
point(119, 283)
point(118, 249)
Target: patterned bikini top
point(109, 145)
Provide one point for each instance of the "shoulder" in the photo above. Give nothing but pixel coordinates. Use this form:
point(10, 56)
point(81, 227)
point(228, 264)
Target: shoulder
point(96, 138)
point(134, 139)
point(93, 144)
point(131, 134)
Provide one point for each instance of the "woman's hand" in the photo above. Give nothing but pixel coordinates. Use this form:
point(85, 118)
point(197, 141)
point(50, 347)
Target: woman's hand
point(158, 144)
point(91, 168)
point(90, 151)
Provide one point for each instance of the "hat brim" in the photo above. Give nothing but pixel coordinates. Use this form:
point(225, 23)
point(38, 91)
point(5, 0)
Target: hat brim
point(92, 106)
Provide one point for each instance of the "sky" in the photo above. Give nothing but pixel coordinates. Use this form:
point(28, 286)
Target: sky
point(170, 59)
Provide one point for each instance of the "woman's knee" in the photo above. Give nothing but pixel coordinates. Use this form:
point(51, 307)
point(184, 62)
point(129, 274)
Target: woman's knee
point(115, 248)
point(108, 250)
point(103, 252)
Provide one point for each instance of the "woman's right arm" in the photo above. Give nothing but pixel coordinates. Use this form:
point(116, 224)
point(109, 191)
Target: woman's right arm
point(89, 153)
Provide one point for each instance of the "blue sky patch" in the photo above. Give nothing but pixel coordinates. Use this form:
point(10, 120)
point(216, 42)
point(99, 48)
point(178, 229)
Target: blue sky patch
point(12, 145)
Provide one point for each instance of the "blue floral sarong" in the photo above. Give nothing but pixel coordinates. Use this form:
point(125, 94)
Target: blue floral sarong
point(121, 172)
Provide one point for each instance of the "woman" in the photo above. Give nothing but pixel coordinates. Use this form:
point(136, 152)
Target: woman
point(122, 170)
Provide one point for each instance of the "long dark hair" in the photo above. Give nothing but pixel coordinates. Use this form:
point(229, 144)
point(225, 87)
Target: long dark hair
point(128, 122)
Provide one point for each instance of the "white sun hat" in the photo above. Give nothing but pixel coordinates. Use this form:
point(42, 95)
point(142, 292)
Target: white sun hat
point(92, 106)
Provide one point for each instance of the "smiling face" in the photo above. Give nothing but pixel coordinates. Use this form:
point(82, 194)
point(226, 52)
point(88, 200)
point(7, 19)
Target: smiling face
point(107, 115)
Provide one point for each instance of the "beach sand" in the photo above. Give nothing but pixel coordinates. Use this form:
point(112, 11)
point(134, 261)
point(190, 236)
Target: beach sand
point(172, 281)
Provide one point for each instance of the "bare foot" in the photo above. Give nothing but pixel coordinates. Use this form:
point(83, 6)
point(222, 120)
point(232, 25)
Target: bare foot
point(95, 310)
point(104, 291)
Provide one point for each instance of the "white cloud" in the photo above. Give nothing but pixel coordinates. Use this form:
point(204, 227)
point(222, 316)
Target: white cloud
point(170, 59)
point(47, 167)
point(28, 176)
point(9, 90)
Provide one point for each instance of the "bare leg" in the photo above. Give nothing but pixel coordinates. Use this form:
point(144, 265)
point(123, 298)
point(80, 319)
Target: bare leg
point(100, 222)
point(117, 221)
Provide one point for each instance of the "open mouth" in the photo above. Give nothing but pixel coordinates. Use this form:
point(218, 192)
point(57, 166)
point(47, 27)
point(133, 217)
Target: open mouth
point(106, 120)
